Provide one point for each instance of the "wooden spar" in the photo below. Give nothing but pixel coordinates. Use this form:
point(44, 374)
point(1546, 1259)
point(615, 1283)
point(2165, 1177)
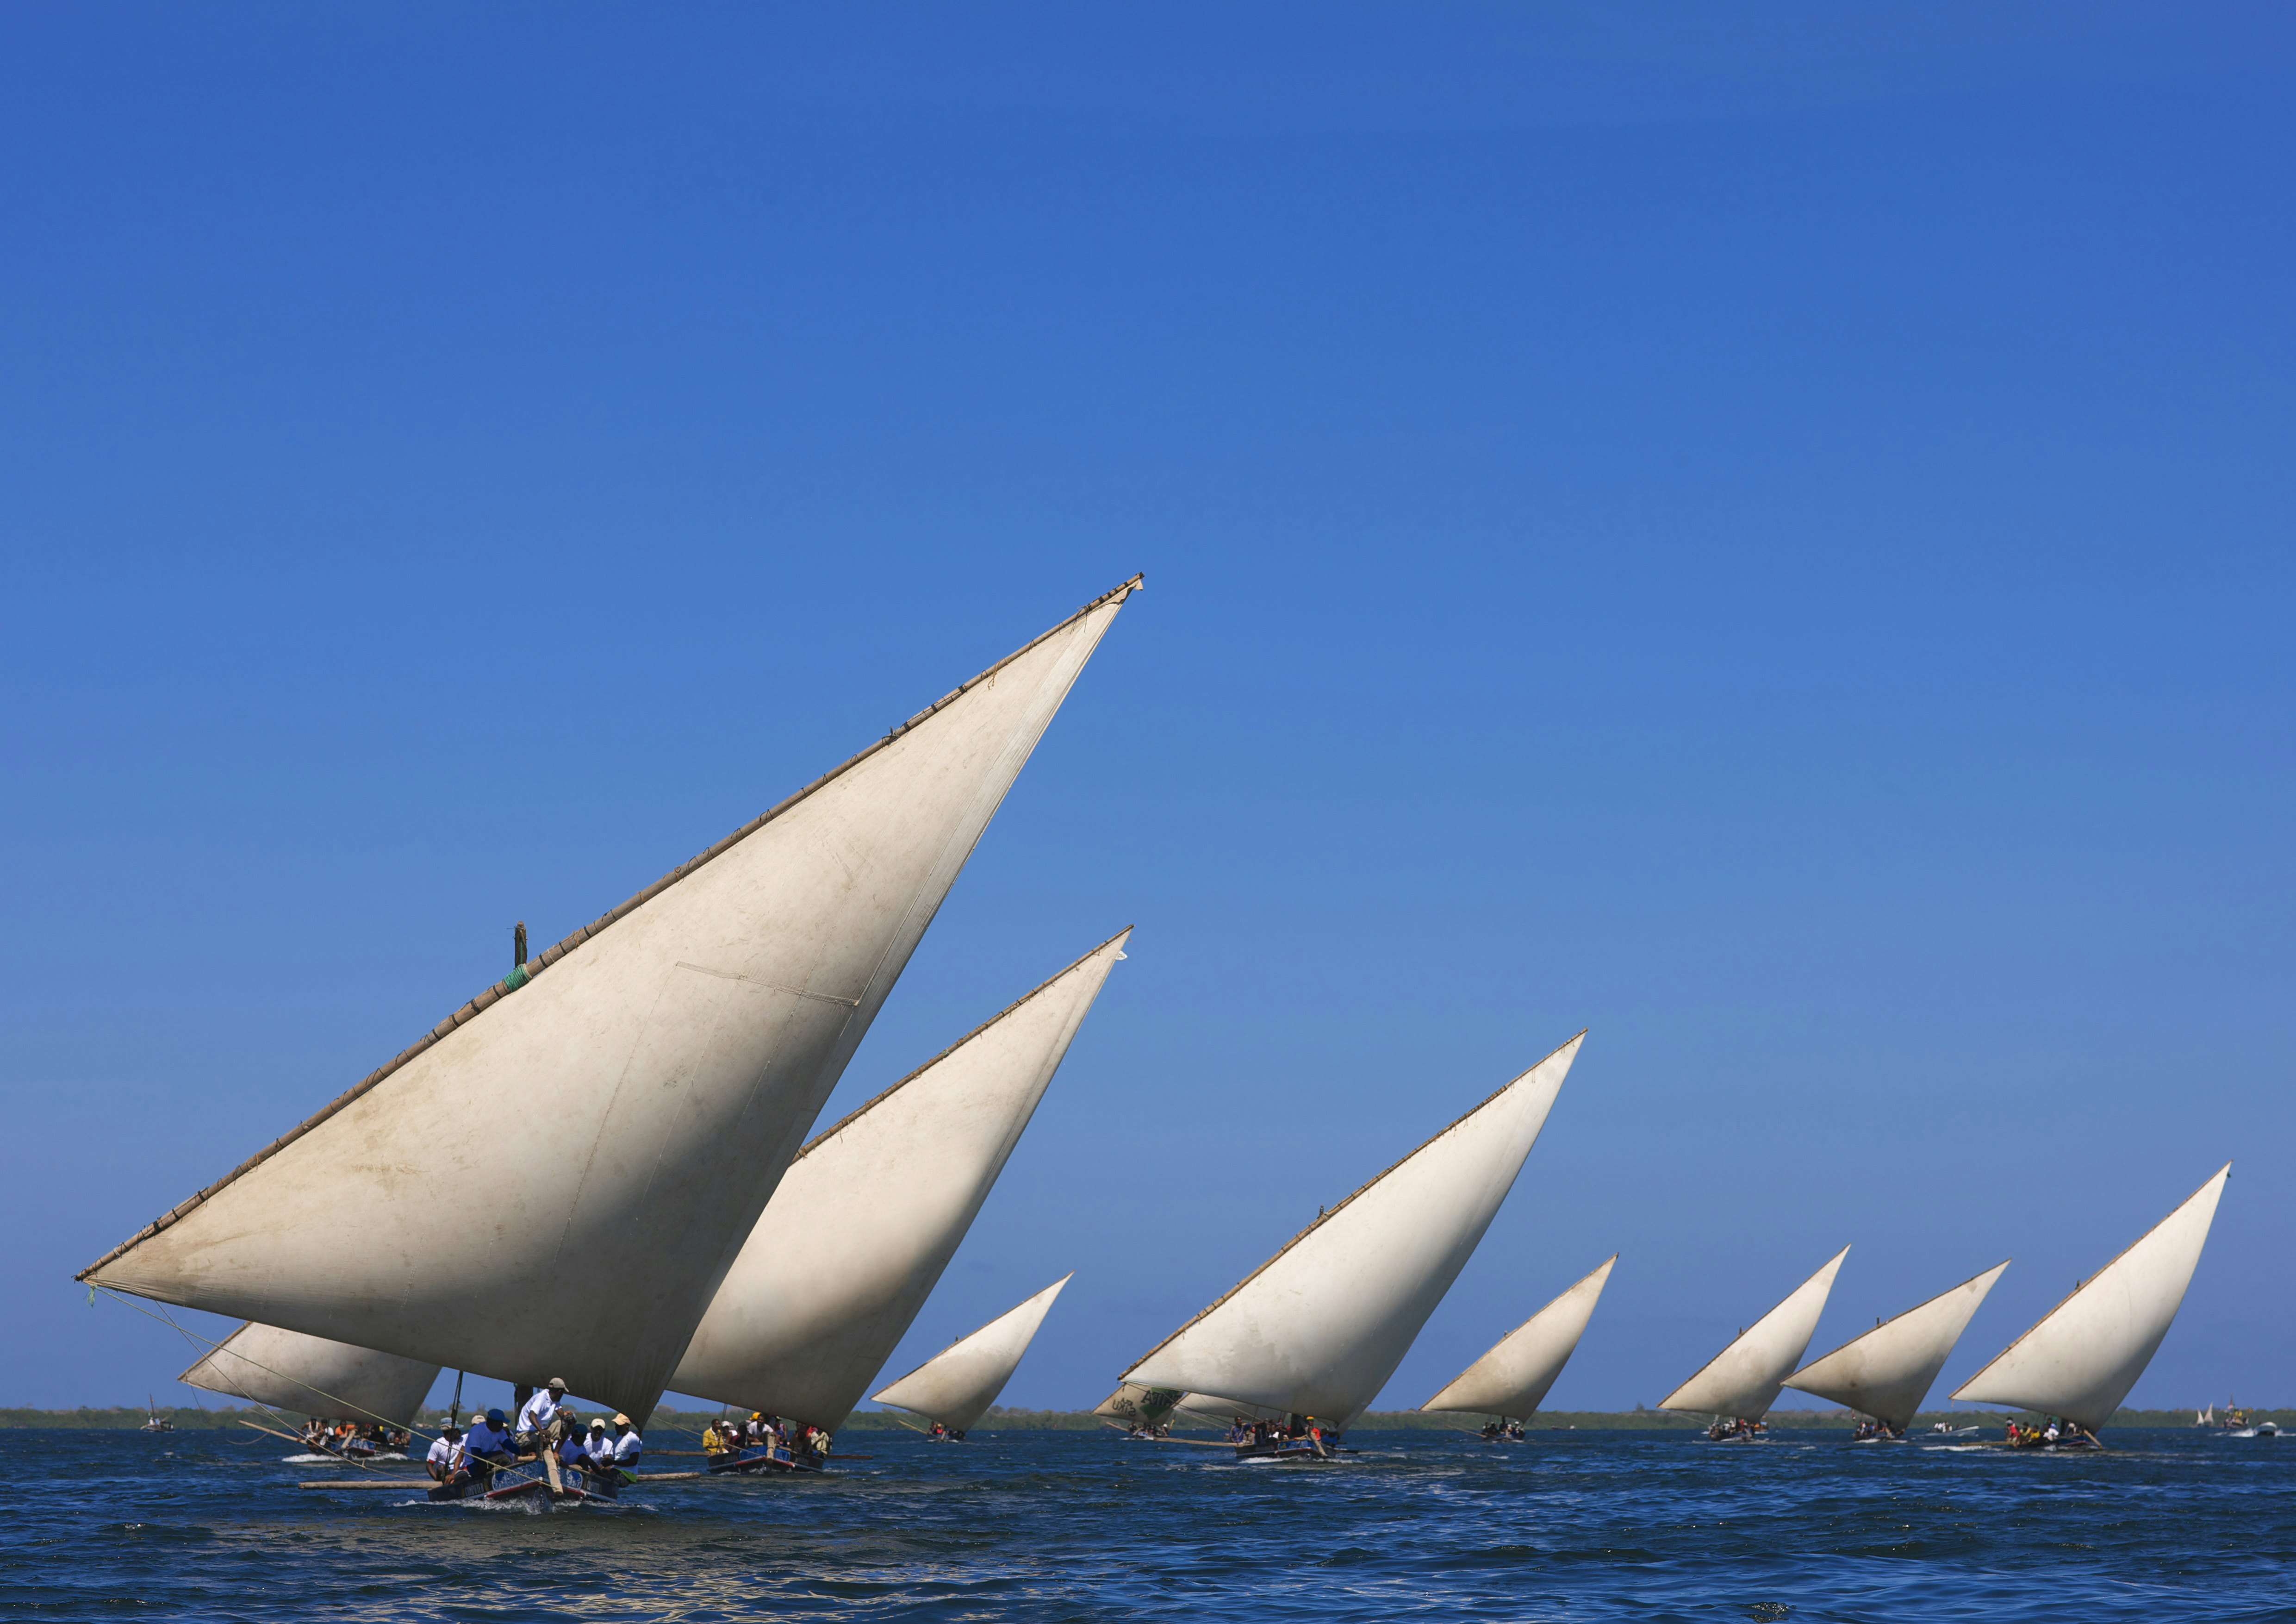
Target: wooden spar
point(274, 1431)
point(423, 1483)
point(550, 1467)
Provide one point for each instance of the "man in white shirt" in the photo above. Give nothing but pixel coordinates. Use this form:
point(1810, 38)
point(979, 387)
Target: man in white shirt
point(627, 1445)
point(539, 1424)
point(445, 1457)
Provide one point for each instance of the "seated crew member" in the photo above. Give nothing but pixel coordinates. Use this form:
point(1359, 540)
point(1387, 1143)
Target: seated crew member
point(628, 1446)
point(488, 1440)
point(574, 1454)
point(445, 1457)
point(710, 1444)
point(540, 1423)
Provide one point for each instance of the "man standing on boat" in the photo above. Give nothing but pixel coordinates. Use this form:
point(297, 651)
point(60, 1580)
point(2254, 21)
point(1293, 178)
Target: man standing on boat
point(540, 1424)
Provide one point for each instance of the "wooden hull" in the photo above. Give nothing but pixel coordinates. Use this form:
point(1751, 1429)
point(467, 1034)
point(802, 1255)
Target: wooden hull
point(750, 1462)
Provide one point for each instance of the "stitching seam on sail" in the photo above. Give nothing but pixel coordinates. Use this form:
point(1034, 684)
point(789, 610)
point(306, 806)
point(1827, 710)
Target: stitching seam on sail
point(551, 955)
point(796, 992)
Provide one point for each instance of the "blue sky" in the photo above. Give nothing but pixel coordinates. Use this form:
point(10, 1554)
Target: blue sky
point(1762, 533)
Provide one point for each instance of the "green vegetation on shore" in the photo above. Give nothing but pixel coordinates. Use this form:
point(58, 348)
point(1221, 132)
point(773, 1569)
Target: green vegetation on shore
point(129, 1417)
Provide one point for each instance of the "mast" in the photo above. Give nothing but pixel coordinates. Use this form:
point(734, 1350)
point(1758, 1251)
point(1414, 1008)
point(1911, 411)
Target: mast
point(1510, 1381)
point(652, 1075)
point(1887, 1371)
point(872, 1210)
point(2083, 1356)
point(1743, 1381)
point(957, 1386)
point(1318, 1328)
point(312, 1376)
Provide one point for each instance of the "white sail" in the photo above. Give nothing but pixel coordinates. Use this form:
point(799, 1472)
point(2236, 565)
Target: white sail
point(1132, 1402)
point(1318, 1328)
point(869, 1213)
point(313, 1376)
point(1743, 1381)
point(1510, 1381)
point(957, 1386)
point(556, 1179)
point(1887, 1371)
point(2086, 1353)
point(1220, 1412)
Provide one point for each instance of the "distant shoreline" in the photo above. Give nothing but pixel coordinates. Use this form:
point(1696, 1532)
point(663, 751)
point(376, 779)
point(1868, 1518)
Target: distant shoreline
point(129, 1417)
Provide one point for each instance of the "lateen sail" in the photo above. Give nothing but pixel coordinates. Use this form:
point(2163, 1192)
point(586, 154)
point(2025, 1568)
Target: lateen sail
point(1318, 1328)
point(1887, 1371)
point(646, 1090)
point(957, 1386)
point(869, 1213)
point(1146, 1406)
point(1510, 1381)
point(1743, 1381)
point(2086, 1353)
point(313, 1376)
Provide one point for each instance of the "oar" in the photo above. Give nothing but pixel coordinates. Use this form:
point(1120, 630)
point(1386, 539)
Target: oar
point(274, 1433)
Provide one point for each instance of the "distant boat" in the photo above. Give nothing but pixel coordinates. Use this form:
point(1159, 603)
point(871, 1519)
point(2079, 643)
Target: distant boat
point(153, 1422)
point(1737, 1386)
point(1887, 1371)
point(373, 1394)
point(648, 1080)
point(1510, 1381)
point(872, 1209)
point(2236, 1423)
point(2078, 1362)
point(1313, 1333)
point(955, 1388)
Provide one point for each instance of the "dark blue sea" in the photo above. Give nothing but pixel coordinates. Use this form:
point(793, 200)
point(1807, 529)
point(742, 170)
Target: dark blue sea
point(2167, 1525)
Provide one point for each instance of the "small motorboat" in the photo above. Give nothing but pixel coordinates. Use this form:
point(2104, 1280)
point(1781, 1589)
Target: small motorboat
point(2236, 1423)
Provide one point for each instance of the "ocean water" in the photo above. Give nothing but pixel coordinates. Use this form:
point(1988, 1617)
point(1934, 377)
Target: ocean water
point(2167, 1525)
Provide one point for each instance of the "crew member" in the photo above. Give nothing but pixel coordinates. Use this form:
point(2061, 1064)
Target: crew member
point(627, 1445)
point(488, 1440)
point(445, 1457)
point(539, 1423)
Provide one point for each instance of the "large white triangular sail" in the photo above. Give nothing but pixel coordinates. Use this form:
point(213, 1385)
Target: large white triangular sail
point(869, 1213)
point(313, 1376)
point(645, 1080)
point(1510, 1381)
point(1888, 1372)
point(1318, 1328)
point(2086, 1353)
point(957, 1386)
point(1743, 1381)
